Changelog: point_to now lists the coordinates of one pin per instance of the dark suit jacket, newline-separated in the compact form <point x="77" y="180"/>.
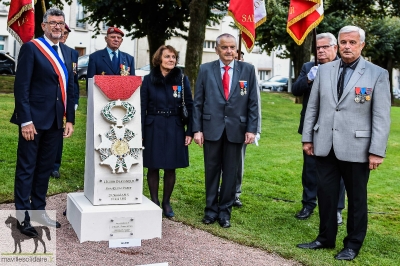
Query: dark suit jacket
<point x="100" y="62"/>
<point x="212" y="113"/>
<point x="37" y="91"/>
<point x="74" y="59"/>
<point x="75" y="56"/>
<point x="302" y="88"/>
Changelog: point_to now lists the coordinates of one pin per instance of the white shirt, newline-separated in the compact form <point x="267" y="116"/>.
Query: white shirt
<point x="58" y="45"/>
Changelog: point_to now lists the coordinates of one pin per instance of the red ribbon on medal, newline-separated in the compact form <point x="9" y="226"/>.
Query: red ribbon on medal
<point x="358" y="90"/>
<point x="117" y="87"/>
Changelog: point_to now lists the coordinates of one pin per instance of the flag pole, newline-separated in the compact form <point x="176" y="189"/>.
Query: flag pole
<point x="240" y="46"/>
<point x="315" y="47"/>
<point x="43" y="6"/>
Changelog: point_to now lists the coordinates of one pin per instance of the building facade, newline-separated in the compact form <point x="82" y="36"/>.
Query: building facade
<point x="81" y="39"/>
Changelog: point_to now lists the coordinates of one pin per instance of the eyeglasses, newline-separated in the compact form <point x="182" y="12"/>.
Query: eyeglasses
<point x="53" y="23"/>
<point x="324" y="47"/>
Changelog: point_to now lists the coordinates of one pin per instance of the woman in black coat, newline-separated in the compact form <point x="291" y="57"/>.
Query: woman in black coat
<point x="165" y="140"/>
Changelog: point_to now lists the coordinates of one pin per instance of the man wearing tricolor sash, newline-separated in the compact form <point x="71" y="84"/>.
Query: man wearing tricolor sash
<point x="43" y="91"/>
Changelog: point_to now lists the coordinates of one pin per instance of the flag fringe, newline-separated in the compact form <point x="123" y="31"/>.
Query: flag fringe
<point x="15" y="35"/>
<point x="246" y="31"/>
<point x="261" y="21"/>
<point x="312" y="26"/>
<point x="303" y="15"/>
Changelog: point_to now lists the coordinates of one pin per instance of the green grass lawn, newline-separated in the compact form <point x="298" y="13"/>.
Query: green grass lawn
<point x="271" y="187"/>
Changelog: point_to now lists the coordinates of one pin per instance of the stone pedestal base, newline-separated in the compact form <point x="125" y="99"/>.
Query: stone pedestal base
<point x="105" y="222"/>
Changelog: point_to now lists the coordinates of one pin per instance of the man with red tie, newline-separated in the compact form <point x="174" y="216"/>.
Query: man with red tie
<point x="225" y="115"/>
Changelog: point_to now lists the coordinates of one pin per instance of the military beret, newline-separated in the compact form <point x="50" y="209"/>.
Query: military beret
<point x="115" y="30"/>
<point x="67" y="28"/>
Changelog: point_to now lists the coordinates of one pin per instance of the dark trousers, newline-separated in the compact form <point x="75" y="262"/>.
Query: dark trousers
<point x="35" y="160"/>
<point x="310" y="184"/>
<point x="355" y="176"/>
<point x="57" y="162"/>
<point x="240" y="171"/>
<point x="220" y="155"/>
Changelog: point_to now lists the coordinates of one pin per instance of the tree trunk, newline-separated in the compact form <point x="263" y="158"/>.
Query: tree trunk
<point x="197" y="28"/>
<point x="39" y="17"/>
<point x="388" y="65"/>
<point x="389" y="68"/>
<point x="301" y="55"/>
<point x="155" y="31"/>
<point x="154" y="43"/>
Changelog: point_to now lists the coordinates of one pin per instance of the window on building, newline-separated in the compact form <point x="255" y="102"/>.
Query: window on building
<point x="209" y="44"/>
<point x="105" y="27"/>
<point x="213" y="24"/>
<point x="2" y="43"/>
<point x="3" y="9"/>
<point x="80" y="14"/>
<point x="263" y="74"/>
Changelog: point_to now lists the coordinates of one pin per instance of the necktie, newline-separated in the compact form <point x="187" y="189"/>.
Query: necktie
<point x="114" y="62"/>
<point x="55" y="47"/>
<point x="225" y="81"/>
<point x="340" y="86"/>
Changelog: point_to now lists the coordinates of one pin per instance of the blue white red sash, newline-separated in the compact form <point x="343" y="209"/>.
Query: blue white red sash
<point x="57" y="63"/>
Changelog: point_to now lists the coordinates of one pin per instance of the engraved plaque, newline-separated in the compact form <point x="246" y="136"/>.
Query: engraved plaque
<point x="121" y="227"/>
<point x="120" y="189"/>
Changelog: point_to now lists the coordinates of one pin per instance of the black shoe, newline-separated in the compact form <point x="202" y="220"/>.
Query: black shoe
<point x="303" y="214"/>
<point x="346" y="254"/>
<point x="313" y="245"/>
<point x="208" y="220"/>
<point x="44" y="219"/>
<point x="27" y="229"/>
<point x="167" y="210"/>
<point x="224" y="223"/>
<point x="55" y="174"/>
<point x="156" y="202"/>
<point x="237" y="202"/>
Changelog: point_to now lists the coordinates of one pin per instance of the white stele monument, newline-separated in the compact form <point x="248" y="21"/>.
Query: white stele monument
<point x="112" y="206"/>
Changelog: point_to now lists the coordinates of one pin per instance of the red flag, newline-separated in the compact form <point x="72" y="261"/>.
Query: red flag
<point x="260" y="13"/>
<point x="304" y="15"/>
<point x="21" y="20"/>
<point x="248" y="15"/>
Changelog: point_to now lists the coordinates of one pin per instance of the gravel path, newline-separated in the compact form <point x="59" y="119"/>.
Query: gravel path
<point x="180" y="245"/>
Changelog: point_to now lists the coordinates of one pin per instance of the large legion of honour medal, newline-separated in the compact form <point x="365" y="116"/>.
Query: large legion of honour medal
<point x="116" y="147"/>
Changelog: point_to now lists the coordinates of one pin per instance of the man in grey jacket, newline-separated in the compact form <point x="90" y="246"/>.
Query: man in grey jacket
<point x="346" y="127"/>
<point x="326" y="52"/>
